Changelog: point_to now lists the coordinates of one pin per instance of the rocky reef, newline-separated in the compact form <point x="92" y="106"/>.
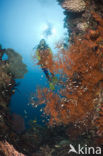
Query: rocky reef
<point x="7" y="89"/>
<point x="9" y="70"/>
<point x="79" y="15"/>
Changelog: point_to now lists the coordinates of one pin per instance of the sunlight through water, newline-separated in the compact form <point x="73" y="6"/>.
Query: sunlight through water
<point x="23" y="24"/>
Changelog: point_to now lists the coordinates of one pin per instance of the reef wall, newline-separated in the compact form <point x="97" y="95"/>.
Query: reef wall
<point x="78" y="15"/>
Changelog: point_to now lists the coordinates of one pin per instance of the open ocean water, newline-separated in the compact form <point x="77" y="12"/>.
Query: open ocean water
<point x="23" y="25"/>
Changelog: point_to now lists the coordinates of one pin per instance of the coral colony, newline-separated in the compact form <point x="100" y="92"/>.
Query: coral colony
<point x="79" y="102"/>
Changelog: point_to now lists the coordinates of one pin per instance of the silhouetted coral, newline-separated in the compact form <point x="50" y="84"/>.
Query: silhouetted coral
<point x="16" y="65"/>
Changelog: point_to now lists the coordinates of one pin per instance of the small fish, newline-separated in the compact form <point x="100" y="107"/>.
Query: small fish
<point x="34" y="121"/>
<point x="43" y="120"/>
<point x="36" y="106"/>
<point x="41" y="110"/>
<point x="43" y="101"/>
<point x="32" y="97"/>
<point x="25" y="111"/>
<point x="62" y="105"/>
<point x="10" y="84"/>
<point x="13" y="90"/>
<point x="33" y="103"/>
<point x="57" y="146"/>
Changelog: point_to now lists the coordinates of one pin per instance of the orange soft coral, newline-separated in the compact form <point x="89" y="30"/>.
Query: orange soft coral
<point x="83" y="68"/>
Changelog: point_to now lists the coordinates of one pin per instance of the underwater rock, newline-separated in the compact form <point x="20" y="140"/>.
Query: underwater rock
<point x="78" y="22"/>
<point x="76" y="6"/>
<point x="5" y="89"/>
<point x="4" y="77"/>
<point x="64" y="142"/>
<point x="18" y="124"/>
<point x="3" y="103"/>
<point x="3" y="127"/>
<point x="5" y="95"/>
<point x="47" y="151"/>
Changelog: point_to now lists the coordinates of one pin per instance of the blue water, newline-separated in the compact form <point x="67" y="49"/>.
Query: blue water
<point x="23" y="23"/>
<point x="21" y="100"/>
